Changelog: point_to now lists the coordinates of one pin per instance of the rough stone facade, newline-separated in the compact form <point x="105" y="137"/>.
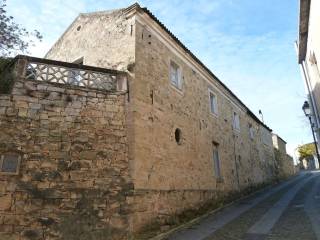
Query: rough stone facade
<point x="73" y="181"/>
<point x="284" y="162"/>
<point x="177" y="177"/>
<point x="170" y="178"/>
<point x="166" y="178"/>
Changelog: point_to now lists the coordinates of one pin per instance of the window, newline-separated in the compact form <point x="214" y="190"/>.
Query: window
<point x="175" y="75"/>
<point x="216" y="161"/>
<point x="236" y="121"/>
<point x="10" y="163"/>
<point x="251" y="131"/>
<point x="213" y="103"/>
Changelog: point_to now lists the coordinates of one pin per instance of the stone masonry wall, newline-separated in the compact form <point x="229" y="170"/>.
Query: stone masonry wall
<point x="73" y="181"/>
<point x="168" y="178"/>
<point x="102" y="39"/>
<point x="285" y="164"/>
<point x="171" y="178"/>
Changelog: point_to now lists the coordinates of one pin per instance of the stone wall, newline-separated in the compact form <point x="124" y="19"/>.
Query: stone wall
<point x="284" y="162"/>
<point x="102" y="39"/>
<point x="73" y="181"/>
<point x="171" y="177"/>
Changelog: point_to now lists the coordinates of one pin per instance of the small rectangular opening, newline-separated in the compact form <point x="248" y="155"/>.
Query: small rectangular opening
<point x="216" y="161"/>
<point x="236" y="121"/>
<point x="175" y="75"/>
<point x="213" y="103"/>
<point x="10" y="163"/>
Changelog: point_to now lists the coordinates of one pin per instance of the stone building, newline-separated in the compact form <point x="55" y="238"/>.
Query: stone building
<point x="107" y="153"/>
<point x="284" y="162"/>
<point x="308" y="48"/>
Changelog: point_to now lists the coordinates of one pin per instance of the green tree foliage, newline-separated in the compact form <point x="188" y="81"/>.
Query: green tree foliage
<point x="6" y="75"/>
<point x="13" y="37"/>
<point x="306" y="151"/>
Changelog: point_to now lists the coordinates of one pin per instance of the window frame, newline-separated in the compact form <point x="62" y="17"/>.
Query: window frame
<point x="214" y="113"/>
<point x="18" y="164"/>
<point x="251" y="131"/>
<point x="216" y="161"/>
<point x="179" y="84"/>
<point x="234" y="125"/>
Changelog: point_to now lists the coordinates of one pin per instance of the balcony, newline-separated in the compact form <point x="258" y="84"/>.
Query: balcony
<point x="62" y="73"/>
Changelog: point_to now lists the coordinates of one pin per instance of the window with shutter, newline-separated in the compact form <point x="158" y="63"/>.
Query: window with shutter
<point x="213" y="103"/>
<point x="175" y="75"/>
<point x="216" y="162"/>
<point x="236" y="121"/>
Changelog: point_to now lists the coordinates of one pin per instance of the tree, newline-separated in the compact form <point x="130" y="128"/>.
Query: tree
<point x="13" y="37"/>
<point x="306" y="151"/>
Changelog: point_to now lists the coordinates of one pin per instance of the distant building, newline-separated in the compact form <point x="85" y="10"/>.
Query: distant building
<point x="309" y="54"/>
<point x="309" y="162"/>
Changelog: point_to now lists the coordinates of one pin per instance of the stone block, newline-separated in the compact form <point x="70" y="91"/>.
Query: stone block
<point x="2" y="110"/>
<point x="21" y="104"/>
<point x="5" y="97"/>
<point x="23" y="112"/>
<point x="35" y="106"/>
<point x="88" y="155"/>
<point x="10" y="112"/>
<point x="30" y="85"/>
<point x="5" y="202"/>
<point x="42" y="87"/>
<point x="5" y="103"/>
<point x="55" y="89"/>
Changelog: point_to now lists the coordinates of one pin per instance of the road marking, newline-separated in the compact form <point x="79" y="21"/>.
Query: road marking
<point x="216" y="221"/>
<point x="312" y="208"/>
<point x="267" y="221"/>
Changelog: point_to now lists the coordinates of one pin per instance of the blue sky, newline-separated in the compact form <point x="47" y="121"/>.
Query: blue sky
<point x="248" y="44"/>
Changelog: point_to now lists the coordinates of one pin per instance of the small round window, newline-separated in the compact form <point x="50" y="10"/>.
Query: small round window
<point x="78" y="28"/>
<point x="177" y="136"/>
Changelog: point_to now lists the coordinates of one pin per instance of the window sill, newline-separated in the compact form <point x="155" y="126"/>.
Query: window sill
<point x="214" y="114"/>
<point x="236" y="131"/>
<point x="219" y="180"/>
<point x="178" y="90"/>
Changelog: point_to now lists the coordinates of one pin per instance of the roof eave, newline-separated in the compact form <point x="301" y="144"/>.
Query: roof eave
<point x="303" y="28"/>
<point x="137" y="7"/>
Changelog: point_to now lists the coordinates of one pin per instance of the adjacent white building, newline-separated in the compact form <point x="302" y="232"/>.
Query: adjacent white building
<point x="308" y="47"/>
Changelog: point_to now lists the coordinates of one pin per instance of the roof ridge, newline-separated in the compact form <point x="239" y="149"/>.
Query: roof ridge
<point x="135" y="5"/>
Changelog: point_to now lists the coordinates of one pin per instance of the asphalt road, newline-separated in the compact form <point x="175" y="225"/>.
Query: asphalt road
<point x="287" y="211"/>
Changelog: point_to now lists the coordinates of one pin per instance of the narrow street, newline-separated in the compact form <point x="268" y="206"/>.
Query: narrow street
<point x="290" y="210"/>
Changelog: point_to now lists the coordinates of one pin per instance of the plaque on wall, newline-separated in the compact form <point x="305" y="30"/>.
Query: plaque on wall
<point x="10" y="163"/>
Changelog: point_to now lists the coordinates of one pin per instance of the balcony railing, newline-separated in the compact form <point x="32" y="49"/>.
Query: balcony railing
<point x="38" y="69"/>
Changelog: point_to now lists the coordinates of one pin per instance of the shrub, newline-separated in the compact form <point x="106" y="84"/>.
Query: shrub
<point x="6" y="75"/>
